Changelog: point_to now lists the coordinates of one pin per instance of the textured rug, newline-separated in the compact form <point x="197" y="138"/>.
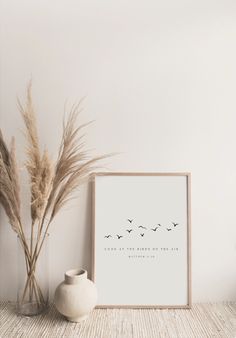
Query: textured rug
<point x="211" y="320"/>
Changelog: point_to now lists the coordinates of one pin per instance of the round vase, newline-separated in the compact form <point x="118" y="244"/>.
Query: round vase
<point x="76" y="297"/>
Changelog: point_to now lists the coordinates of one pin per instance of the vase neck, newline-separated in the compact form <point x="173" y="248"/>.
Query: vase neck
<point x="75" y="276"/>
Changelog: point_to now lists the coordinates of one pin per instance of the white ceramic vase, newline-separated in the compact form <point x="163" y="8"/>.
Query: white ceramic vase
<point x="76" y="297"/>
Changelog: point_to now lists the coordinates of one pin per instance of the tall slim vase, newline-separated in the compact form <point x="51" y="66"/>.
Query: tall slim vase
<point x="33" y="278"/>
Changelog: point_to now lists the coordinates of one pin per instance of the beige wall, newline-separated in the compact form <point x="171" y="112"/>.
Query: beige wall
<point x="160" y="81"/>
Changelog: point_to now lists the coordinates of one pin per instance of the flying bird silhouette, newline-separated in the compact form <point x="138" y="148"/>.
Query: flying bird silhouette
<point x="129" y="230"/>
<point x="159" y="224"/>
<point x="174" y="224"/>
<point x="130" y="220"/>
<point x="142" y="227"/>
<point x="142" y="235"/>
<point x="155" y="229"/>
<point x="107" y="236"/>
<point x="119" y="236"/>
<point x="168" y="229"/>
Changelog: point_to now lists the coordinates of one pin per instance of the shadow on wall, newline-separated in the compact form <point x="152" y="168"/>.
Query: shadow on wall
<point x="8" y="260"/>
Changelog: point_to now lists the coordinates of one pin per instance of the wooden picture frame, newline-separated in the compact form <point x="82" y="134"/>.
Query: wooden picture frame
<point x="142" y="239"/>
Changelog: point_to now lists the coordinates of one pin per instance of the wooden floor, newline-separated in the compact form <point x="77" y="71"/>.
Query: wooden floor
<point x="203" y="320"/>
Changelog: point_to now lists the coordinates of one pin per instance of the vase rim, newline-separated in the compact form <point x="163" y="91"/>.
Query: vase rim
<point x="72" y="276"/>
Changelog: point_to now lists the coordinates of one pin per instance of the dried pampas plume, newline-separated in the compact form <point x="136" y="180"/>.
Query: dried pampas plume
<point x="39" y="167"/>
<point x="9" y="184"/>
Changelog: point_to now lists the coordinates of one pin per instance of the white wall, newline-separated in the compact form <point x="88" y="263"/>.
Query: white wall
<point x="160" y="81"/>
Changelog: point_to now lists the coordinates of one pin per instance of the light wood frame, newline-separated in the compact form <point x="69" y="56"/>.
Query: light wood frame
<point x="189" y="278"/>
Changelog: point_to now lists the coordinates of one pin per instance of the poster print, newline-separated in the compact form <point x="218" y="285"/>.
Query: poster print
<point x="141" y="251"/>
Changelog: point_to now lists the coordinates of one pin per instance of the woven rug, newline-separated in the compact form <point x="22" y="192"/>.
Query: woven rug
<point x="202" y="321"/>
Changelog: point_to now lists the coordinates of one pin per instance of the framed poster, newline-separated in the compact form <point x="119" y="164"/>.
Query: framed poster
<point x="141" y="239"/>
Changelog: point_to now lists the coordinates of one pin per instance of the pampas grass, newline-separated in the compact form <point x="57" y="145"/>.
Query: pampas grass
<point x="52" y="184"/>
<point x="9" y="185"/>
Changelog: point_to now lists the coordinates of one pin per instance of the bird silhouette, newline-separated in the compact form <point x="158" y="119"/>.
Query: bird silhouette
<point x="119" y="236"/>
<point x="130" y="220"/>
<point x="142" y="235"/>
<point x="142" y="227"/>
<point x="107" y="236"/>
<point x="159" y="225"/>
<point x="155" y="229"/>
<point x="174" y="224"/>
<point x="129" y="230"/>
<point x="168" y="229"/>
